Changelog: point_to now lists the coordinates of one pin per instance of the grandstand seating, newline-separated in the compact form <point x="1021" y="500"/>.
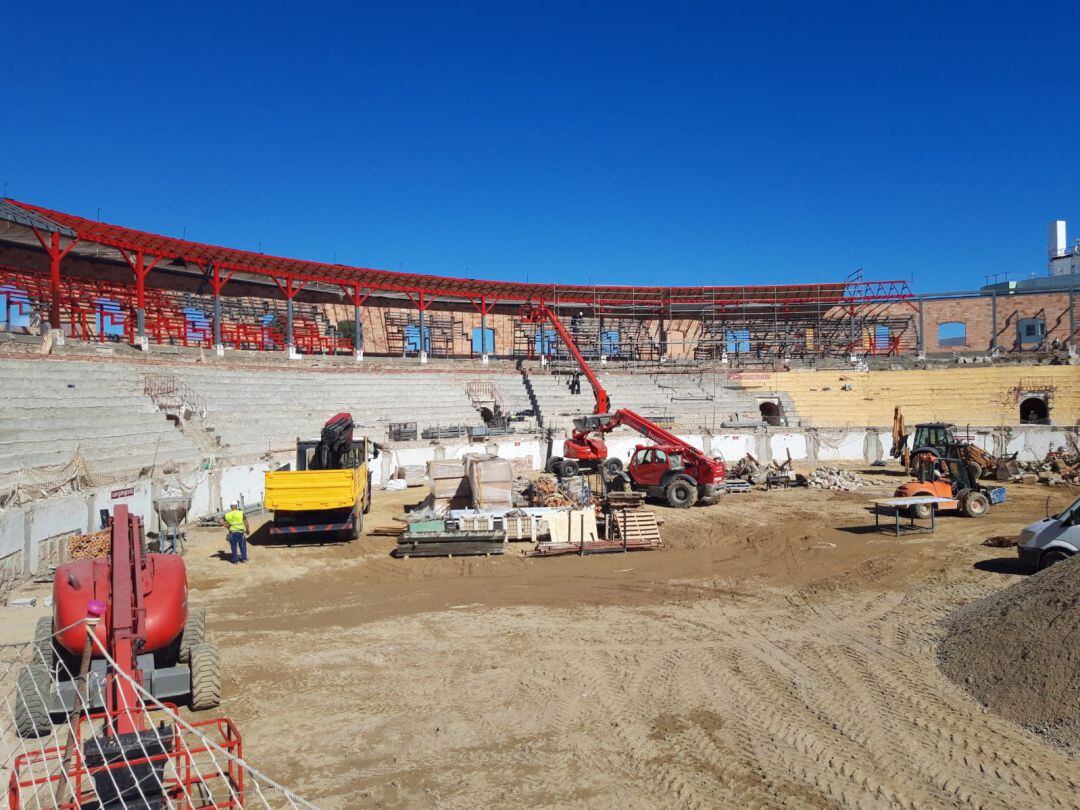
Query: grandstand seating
<point x="256" y="411"/>
<point x="966" y="395"/>
<point x="688" y="402"/>
<point x="48" y="410"/>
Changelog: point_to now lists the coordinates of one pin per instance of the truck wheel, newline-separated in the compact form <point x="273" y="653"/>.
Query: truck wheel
<point x="618" y="483"/>
<point x="553" y="465"/>
<point x="44" y="651"/>
<point x="976" y="505"/>
<point x="613" y="466"/>
<point x="1054" y="556"/>
<point x="976" y="470"/>
<point x="681" y="493"/>
<point x="205" y="677"/>
<point x="367" y="495"/>
<point x="358" y="529"/>
<point x="194" y="633"/>
<point x="33" y="687"/>
<point x="569" y="468"/>
<point x="921" y="511"/>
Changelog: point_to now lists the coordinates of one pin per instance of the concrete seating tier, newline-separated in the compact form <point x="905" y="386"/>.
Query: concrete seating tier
<point x="49" y="410"/>
<point x="256" y="411"/>
<point x="693" y="405"/>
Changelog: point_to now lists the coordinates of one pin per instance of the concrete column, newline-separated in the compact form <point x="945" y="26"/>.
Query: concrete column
<point x="218" y="346"/>
<point x="358" y="332"/>
<point x="922" y="332"/>
<point x="290" y="349"/>
<point x="993" y="321"/>
<point x="483" y="337"/>
<point x="423" y="343"/>
<point x="1071" y="343"/>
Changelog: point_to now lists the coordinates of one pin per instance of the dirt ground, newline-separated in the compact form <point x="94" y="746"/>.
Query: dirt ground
<point x="776" y="653"/>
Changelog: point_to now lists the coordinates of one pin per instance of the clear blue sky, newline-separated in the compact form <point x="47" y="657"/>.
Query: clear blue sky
<point x="623" y="143"/>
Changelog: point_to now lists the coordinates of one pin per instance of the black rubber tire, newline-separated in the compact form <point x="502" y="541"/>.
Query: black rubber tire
<point x="708" y="495"/>
<point x="33" y="688"/>
<point x="205" y="677"/>
<point x="920" y="511"/>
<point x="612" y="466"/>
<point x="358" y="529"/>
<point x="44" y="649"/>
<point x="1054" y="555"/>
<point x="681" y="493"/>
<point x="976" y="470"/>
<point x="194" y="633"/>
<point x="553" y="464"/>
<point x="569" y="468"/>
<point x="367" y="495"/>
<point x="976" y="505"/>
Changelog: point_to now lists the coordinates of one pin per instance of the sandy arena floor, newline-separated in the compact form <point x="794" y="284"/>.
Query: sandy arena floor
<point x="764" y="658"/>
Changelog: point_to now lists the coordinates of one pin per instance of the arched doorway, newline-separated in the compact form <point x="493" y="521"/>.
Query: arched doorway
<point x="770" y="413"/>
<point x="1034" y="411"/>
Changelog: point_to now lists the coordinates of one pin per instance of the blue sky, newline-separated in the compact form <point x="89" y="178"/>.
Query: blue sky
<point x="586" y="142"/>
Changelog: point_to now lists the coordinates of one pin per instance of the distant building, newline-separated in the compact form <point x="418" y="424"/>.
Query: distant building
<point x="1064" y="258"/>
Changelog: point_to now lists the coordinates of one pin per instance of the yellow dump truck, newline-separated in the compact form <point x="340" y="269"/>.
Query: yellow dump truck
<point x="328" y="491"/>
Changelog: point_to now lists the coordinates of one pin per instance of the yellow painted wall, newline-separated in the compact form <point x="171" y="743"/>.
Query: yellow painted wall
<point x="979" y="396"/>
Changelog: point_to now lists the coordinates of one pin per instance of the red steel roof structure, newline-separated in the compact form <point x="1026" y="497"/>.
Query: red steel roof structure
<point x="59" y="233"/>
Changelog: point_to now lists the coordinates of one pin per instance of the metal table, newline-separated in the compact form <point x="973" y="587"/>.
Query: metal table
<point x="896" y="504"/>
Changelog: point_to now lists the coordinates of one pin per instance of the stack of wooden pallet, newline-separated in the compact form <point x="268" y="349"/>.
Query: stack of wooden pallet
<point x="635" y="528"/>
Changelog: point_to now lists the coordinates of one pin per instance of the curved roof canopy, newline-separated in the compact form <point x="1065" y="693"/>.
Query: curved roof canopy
<point x="124" y="241"/>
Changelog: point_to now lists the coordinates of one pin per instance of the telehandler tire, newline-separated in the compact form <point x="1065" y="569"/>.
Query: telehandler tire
<point x="681" y="492"/>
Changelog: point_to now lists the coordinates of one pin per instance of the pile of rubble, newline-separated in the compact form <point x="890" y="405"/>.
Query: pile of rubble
<point x="836" y="479"/>
<point x="1060" y="467"/>
<point x="752" y="471"/>
<point x="547" y="491"/>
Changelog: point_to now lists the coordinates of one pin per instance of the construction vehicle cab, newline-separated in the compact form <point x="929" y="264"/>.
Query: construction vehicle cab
<point x="663" y="471"/>
<point x="952" y="478"/>
<point x="329" y="491"/>
<point x="1052" y="540"/>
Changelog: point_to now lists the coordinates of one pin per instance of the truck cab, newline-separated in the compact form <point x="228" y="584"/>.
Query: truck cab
<point x="1051" y="540"/>
<point x="660" y="471"/>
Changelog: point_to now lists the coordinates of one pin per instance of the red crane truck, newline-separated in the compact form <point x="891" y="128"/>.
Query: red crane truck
<point x="672" y="469"/>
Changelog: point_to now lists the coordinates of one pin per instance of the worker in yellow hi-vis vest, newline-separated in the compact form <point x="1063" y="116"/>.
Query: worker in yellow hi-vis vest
<point x="237" y="523"/>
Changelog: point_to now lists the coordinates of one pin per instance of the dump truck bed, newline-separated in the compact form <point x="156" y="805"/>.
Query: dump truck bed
<point x="310" y="490"/>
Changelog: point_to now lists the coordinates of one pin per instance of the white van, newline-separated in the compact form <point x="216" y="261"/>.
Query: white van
<point x="1052" y="540"/>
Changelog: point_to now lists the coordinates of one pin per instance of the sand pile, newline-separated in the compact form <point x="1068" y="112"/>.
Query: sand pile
<point x="1018" y="652"/>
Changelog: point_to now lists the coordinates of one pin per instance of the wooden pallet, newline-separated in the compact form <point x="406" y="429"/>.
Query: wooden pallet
<point x="635" y="527"/>
<point x="625" y="500"/>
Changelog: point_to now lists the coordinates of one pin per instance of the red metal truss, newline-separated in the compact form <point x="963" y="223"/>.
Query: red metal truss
<point x="422" y="288"/>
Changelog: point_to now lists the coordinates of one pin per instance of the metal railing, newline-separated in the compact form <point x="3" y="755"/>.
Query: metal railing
<point x="170" y="393"/>
<point x="481" y="391"/>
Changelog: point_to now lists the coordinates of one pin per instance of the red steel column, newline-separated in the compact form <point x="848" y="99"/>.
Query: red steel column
<point x="52" y="248"/>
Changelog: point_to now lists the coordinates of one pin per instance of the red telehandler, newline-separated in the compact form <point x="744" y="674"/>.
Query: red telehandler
<point x="671" y="469"/>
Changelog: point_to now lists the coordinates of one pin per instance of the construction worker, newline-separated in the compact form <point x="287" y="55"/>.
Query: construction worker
<point x="237" y="523"/>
